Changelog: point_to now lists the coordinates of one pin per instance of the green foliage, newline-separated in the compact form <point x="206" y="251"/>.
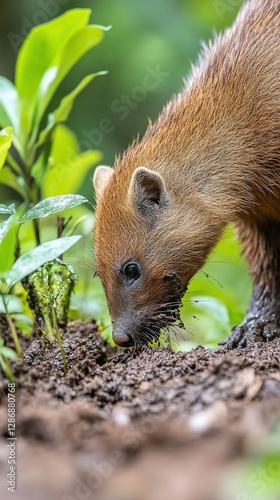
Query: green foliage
<point x="45" y="58"/>
<point x="45" y="164"/>
<point x="66" y="167"/>
<point x="30" y="261"/>
<point x="5" y="144"/>
<point x="51" y="286"/>
<point x="52" y="205"/>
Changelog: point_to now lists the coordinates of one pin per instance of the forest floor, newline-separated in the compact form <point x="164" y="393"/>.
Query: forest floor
<point x="152" y="425"/>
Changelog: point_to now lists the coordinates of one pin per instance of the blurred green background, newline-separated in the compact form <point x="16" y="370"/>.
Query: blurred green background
<point x="164" y="34"/>
<point x="161" y="39"/>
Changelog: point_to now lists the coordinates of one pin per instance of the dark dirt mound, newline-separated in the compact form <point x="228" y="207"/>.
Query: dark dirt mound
<point x="146" y="426"/>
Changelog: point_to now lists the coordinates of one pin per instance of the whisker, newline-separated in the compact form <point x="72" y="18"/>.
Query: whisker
<point x="81" y="263"/>
<point x="209" y="277"/>
<point x="106" y="327"/>
<point x="197" y="301"/>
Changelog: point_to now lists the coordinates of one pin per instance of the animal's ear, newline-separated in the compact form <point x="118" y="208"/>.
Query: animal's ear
<point x="101" y="178"/>
<point x="147" y="192"/>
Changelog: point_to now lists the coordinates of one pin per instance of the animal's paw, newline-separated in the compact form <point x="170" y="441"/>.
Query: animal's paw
<point x="251" y="331"/>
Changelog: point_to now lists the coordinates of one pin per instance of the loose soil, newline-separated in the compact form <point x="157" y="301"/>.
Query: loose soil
<point x="148" y="425"/>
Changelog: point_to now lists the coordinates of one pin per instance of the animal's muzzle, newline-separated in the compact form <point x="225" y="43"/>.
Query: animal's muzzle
<point x="123" y="339"/>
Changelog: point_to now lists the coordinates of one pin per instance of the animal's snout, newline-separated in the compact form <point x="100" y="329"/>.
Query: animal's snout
<point x="123" y="339"/>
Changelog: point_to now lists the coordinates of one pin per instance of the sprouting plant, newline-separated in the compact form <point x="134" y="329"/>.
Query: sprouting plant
<point x="45" y="159"/>
<point x="27" y="264"/>
<point x="51" y="286"/>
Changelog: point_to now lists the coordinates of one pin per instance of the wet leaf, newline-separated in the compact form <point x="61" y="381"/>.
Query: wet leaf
<point x="53" y="205"/>
<point x="6" y="225"/>
<point x="7" y="209"/>
<point x="35" y="258"/>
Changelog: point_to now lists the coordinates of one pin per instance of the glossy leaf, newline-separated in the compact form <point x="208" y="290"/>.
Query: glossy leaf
<point x="53" y="205"/>
<point x="5" y="209"/>
<point x="71" y="52"/>
<point x="6" y="225"/>
<point x="35" y="258"/>
<point x="8" y="103"/>
<point x="9" y="109"/>
<point x="5" y="144"/>
<point x="62" y="112"/>
<point x="67" y="167"/>
<point x="7" y="245"/>
<point x="46" y="56"/>
<point x="38" y="58"/>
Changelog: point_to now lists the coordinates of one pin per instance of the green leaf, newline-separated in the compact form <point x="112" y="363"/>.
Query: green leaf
<point x="8" y="178"/>
<point x="40" y="166"/>
<point x="7" y="245"/>
<point x="6" y="225"/>
<point x="53" y="205"/>
<point x="80" y="43"/>
<point x="62" y="112"/>
<point x="14" y="304"/>
<point x="35" y="258"/>
<point x="67" y="167"/>
<point x="46" y="56"/>
<point x="9" y="109"/>
<point x="36" y="60"/>
<point x="4" y="209"/>
<point x="8" y="104"/>
<point x="7" y="352"/>
<point x="5" y="144"/>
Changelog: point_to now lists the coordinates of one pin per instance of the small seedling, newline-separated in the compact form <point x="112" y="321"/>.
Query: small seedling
<point x="59" y="339"/>
<point x="51" y="287"/>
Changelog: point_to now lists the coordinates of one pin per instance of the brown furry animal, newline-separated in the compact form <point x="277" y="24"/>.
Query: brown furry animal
<point x="213" y="156"/>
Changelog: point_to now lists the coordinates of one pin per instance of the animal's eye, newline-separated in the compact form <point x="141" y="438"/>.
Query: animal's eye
<point x="132" y="271"/>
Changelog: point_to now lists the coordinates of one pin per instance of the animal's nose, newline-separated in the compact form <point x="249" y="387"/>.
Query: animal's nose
<point x="123" y="339"/>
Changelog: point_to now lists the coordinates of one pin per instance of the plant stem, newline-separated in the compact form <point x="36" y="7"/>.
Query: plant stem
<point x="17" y="244"/>
<point x="36" y="231"/>
<point x="13" y="330"/>
<point x="74" y="227"/>
<point x="14" y="164"/>
<point x="58" y="336"/>
<point x="5" y="365"/>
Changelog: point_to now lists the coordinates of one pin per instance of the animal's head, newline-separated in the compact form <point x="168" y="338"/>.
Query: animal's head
<point x="148" y="245"/>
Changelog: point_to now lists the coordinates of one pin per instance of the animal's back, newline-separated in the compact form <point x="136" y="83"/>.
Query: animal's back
<point x="213" y="156"/>
<point x="239" y="75"/>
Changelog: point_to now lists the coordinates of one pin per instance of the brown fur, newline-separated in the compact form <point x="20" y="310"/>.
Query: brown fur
<point x="215" y="155"/>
